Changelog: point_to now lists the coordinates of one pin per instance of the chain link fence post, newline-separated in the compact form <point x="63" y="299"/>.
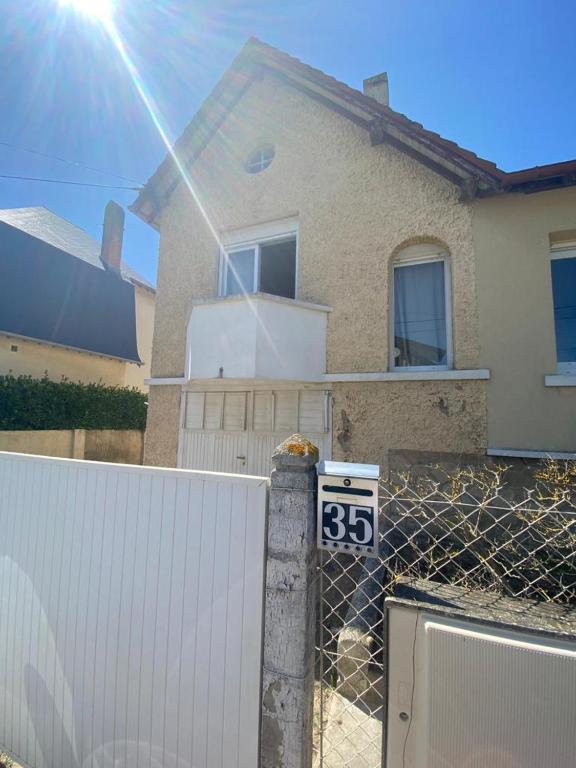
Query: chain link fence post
<point x="290" y="608"/>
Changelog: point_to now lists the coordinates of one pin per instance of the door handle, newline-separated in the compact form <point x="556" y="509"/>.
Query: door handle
<point x="241" y="457"/>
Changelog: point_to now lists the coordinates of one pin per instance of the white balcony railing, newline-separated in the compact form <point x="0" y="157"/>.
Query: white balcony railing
<point x="256" y="337"/>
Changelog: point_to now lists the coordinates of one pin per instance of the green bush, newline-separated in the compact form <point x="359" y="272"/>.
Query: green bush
<point x="27" y="403"/>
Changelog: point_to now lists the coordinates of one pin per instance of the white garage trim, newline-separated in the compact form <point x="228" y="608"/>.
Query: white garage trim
<point x="165" y="381"/>
<point x="230" y="385"/>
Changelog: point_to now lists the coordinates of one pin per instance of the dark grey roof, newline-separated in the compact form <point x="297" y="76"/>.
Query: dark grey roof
<point x="49" y="294"/>
<point x="43" y="224"/>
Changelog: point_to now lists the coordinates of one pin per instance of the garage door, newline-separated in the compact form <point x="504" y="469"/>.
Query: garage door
<point x="238" y="431"/>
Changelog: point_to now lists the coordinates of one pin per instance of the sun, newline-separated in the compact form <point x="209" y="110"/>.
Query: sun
<point x="99" y="10"/>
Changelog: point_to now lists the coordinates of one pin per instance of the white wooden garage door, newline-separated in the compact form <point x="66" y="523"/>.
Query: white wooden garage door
<point x="238" y="431"/>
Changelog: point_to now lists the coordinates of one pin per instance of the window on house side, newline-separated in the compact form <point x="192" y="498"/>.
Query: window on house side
<point x="269" y="267"/>
<point x="240" y="272"/>
<point x="564" y="294"/>
<point x="260" y="159"/>
<point x="278" y="268"/>
<point x="420" y="300"/>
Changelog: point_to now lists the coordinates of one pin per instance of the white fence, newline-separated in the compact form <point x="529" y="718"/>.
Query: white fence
<point x="130" y="615"/>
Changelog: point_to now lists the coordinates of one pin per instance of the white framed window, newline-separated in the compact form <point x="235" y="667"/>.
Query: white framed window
<point x="421" y="310"/>
<point x="260" y="159"/>
<point x="240" y="270"/>
<point x="563" y="268"/>
<point x="266" y="265"/>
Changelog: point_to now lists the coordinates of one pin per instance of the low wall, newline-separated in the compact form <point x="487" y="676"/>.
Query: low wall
<point x="121" y="446"/>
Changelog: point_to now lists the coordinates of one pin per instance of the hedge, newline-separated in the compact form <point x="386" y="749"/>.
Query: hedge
<point x="27" y="403"/>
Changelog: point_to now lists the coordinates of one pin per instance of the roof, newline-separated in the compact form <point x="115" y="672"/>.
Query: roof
<point x="52" y="291"/>
<point x="43" y="224"/>
<point x="475" y="175"/>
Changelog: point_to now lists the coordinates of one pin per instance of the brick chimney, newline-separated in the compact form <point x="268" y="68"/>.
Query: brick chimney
<point x="377" y="88"/>
<point x="111" y="251"/>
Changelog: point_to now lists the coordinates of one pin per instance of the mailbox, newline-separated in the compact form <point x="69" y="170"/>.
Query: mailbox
<point x="348" y="507"/>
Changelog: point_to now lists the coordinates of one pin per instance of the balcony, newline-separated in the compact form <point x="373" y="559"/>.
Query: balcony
<point x="256" y="337"/>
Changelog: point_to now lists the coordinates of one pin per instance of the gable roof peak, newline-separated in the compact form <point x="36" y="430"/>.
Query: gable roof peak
<point x="473" y="174"/>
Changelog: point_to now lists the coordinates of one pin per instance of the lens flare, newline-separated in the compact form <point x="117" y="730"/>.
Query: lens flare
<point x="99" y="10"/>
<point x="103" y="12"/>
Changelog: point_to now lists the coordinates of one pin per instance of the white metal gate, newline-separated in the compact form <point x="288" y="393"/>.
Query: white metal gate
<point x="131" y="603"/>
<point x="237" y="431"/>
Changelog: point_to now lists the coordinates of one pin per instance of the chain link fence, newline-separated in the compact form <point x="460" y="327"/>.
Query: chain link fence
<point x="466" y="528"/>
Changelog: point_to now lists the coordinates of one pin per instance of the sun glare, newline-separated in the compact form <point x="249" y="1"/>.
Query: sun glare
<point x="100" y="10"/>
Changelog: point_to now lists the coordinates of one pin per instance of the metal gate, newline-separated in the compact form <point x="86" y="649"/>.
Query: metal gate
<point x="349" y="697"/>
<point x="464" y="528"/>
<point x="131" y="602"/>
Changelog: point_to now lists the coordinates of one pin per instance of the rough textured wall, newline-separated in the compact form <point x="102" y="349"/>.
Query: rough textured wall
<point x="161" y="440"/>
<point x="36" y="360"/>
<point x="187" y="270"/>
<point x="356" y="204"/>
<point x="517" y="336"/>
<point x="370" y="419"/>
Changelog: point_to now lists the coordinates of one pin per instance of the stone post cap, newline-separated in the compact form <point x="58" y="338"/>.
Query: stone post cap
<point x="295" y="453"/>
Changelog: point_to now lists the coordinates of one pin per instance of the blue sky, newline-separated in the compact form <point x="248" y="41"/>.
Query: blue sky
<point x="497" y="76"/>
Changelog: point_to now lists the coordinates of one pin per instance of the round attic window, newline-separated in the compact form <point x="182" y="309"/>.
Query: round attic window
<point x="260" y="159"/>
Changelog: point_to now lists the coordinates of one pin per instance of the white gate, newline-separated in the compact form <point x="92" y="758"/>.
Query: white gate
<point x="131" y="603"/>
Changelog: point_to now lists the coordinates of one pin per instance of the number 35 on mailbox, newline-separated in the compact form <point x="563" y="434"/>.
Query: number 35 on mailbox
<point x="348" y="507"/>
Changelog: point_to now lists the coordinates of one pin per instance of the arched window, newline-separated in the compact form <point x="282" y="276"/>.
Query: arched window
<point x="421" y="323"/>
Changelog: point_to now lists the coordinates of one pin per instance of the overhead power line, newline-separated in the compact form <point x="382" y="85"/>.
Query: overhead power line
<point x="72" y="183"/>
<point x="65" y="160"/>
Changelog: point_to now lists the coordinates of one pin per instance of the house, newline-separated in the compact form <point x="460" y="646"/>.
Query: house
<point x="329" y="266"/>
<point x="70" y="307"/>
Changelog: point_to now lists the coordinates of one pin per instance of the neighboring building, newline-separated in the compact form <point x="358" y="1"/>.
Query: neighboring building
<point x="329" y="266"/>
<point x="70" y="307"/>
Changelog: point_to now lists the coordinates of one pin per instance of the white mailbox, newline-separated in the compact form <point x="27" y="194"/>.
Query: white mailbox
<point x="348" y="507"/>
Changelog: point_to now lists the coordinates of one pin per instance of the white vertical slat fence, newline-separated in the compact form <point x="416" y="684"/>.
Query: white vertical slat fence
<point x="131" y="604"/>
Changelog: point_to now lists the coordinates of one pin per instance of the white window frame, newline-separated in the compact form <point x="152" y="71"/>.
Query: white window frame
<point x="255" y="242"/>
<point x="564" y="251"/>
<point x="224" y="266"/>
<point x="405" y="261"/>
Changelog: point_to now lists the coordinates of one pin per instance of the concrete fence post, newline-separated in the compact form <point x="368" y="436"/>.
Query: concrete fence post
<point x="78" y="443"/>
<point x="290" y="608"/>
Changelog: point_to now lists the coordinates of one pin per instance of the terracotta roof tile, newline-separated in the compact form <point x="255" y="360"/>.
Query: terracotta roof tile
<point x="353" y="95"/>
